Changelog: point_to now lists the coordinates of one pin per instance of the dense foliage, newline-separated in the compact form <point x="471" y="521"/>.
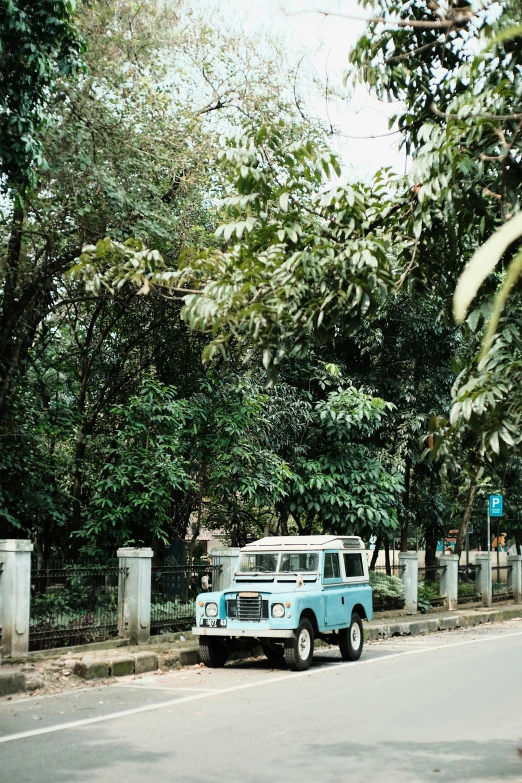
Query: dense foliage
<point x="175" y="234"/>
<point x="38" y="42"/>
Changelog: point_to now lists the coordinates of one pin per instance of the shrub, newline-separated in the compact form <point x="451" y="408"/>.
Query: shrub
<point x="384" y="586"/>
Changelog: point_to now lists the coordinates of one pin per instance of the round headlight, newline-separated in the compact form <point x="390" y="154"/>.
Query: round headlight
<point x="278" y="610"/>
<point x="211" y="610"/>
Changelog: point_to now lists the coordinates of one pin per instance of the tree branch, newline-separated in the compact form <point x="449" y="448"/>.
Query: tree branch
<point x="457" y="21"/>
<point x="493" y="117"/>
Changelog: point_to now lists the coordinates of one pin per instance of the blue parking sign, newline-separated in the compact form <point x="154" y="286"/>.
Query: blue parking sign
<point x="496" y="506"/>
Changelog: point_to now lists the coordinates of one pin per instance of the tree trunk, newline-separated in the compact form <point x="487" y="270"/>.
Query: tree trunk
<point x="404" y="537"/>
<point x="431" y="533"/>
<point x="10" y="337"/>
<point x="84" y="431"/>
<point x="375" y="553"/>
<point x="195" y="534"/>
<point x="461" y="535"/>
<point x="406" y="503"/>
<point x="77" y="484"/>
<point x="282" y="522"/>
<point x="387" y="556"/>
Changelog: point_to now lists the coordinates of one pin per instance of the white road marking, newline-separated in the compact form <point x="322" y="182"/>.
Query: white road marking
<point x="260" y="683"/>
<point x="160" y="688"/>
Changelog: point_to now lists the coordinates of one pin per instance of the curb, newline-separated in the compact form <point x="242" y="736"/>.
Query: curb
<point x="443" y="623"/>
<point x="11" y="682"/>
<point x="114" y="665"/>
<point x="139" y="663"/>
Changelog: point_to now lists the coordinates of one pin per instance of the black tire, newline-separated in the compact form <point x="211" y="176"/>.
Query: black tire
<point x="351" y="639"/>
<point x="213" y="652"/>
<point x="299" y="651"/>
<point x="275" y="653"/>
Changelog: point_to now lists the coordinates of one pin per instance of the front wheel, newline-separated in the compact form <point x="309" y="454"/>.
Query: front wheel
<point x="351" y="639"/>
<point x="213" y="652"/>
<point x="299" y="650"/>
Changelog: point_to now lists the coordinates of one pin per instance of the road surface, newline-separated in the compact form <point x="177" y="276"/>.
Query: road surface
<point x="444" y="707"/>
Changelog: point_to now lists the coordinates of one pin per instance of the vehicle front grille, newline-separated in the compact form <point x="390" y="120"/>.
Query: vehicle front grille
<point x="247" y="609"/>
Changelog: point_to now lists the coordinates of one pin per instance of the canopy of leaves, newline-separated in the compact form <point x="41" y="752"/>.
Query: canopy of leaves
<point x="300" y="254"/>
<point x="38" y="42"/>
<point x="460" y="89"/>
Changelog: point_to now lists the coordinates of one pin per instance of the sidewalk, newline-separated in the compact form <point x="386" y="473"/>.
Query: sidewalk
<point x="50" y="672"/>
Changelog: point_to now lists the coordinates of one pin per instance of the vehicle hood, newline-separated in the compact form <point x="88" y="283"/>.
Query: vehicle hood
<point x="275" y="586"/>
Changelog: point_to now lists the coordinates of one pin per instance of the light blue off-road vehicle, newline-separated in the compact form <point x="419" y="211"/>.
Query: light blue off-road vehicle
<point x="287" y="592"/>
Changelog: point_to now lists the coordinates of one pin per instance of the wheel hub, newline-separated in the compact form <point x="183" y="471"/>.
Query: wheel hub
<point x="304" y="644"/>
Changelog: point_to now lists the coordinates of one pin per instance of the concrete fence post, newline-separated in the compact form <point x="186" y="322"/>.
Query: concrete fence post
<point x="514" y="580"/>
<point x="483" y="578"/>
<point x="15" y="595"/>
<point x="227" y="559"/>
<point x="134" y="594"/>
<point x="449" y="579"/>
<point x="409" y="573"/>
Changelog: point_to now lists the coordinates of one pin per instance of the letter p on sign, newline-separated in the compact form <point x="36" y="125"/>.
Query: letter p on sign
<point x="496" y="506"/>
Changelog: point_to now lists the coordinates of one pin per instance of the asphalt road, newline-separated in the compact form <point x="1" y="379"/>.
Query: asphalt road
<point x="445" y="707"/>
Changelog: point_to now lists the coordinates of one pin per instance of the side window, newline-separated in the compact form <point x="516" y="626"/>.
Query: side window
<point x="353" y="565"/>
<point x="331" y="565"/>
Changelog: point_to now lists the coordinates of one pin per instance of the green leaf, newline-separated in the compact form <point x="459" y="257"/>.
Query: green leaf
<point x="482" y="264"/>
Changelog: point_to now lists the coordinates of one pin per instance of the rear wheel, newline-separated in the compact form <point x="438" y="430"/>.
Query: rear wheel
<point x="351" y="639"/>
<point x="299" y="650"/>
<point x="274" y="653"/>
<point x="213" y="652"/>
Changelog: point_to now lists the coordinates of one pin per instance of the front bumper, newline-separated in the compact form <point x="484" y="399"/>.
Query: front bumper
<point x="239" y="633"/>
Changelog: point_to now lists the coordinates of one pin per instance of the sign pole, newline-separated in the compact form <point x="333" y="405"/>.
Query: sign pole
<point x="489" y="533"/>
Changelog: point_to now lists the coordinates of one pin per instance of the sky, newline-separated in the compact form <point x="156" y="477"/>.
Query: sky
<point x="328" y="40"/>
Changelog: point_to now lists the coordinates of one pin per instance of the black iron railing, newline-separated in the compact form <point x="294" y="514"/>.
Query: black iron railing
<point x="429" y="586"/>
<point x="174" y="591"/>
<point x="73" y="603"/>
<point x="501" y="591"/>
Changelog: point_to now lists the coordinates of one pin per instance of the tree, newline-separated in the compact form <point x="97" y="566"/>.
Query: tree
<point x="461" y="125"/>
<point x="38" y="45"/>
<point x="301" y="256"/>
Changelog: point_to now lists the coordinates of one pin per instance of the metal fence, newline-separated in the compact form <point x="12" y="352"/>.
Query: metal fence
<point x="429" y="586"/>
<point x="173" y="594"/>
<point x="499" y="586"/>
<point x="73" y="603"/>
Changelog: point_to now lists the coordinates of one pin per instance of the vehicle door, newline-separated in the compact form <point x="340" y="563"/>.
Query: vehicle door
<point x="334" y="591"/>
<point x="356" y="580"/>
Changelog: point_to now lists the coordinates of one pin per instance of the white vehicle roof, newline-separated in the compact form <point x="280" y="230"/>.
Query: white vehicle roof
<point x="304" y="543"/>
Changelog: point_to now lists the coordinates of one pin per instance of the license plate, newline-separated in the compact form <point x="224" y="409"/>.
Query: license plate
<point x="211" y="622"/>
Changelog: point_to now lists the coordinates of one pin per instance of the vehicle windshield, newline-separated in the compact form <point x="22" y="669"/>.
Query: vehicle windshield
<point x="279" y="562"/>
<point x="258" y="563"/>
<point x="299" y="562"/>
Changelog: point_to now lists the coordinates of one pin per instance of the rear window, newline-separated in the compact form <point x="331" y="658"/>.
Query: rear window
<point x="353" y="564"/>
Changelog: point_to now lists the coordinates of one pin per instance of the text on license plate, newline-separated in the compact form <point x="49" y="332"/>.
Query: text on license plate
<point x="209" y="622"/>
